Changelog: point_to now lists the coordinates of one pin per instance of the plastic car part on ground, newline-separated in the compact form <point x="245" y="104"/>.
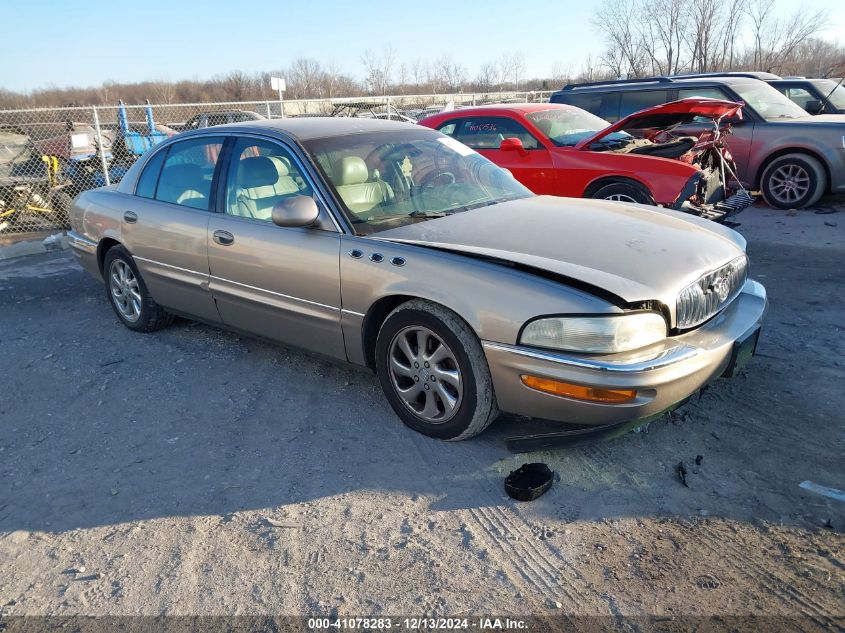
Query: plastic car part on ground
<point x="529" y="481"/>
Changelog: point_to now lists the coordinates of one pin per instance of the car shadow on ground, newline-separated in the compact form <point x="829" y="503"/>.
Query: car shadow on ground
<point x="100" y="425"/>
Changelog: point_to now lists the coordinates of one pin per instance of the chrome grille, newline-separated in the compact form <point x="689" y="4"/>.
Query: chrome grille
<point x="708" y="295"/>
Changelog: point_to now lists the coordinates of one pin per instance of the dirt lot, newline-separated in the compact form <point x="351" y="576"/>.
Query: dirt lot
<point x="155" y="461"/>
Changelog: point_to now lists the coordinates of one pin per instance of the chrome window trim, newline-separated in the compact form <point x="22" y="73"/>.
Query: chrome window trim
<point x="664" y="358"/>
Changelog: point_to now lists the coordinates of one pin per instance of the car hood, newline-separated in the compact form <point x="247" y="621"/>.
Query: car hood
<point x="634" y="252"/>
<point x="668" y="115"/>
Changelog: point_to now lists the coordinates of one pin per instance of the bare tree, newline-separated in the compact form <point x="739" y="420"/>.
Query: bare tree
<point x="163" y="92"/>
<point x="512" y="68"/>
<point x="664" y="26"/>
<point x="619" y="22"/>
<point x="378" y="69"/>
<point x="448" y="74"/>
<point x="488" y="77"/>
<point x="305" y="78"/>
<point x="775" y="38"/>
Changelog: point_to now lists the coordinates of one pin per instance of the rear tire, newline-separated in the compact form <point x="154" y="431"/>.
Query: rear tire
<point x="450" y="399"/>
<point x="793" y="181"/>
<point x="128" y="295"/>
<point x="623" y="192"/>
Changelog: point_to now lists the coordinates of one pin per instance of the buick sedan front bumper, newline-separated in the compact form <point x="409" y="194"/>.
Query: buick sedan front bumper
<point x="662" y="375"/>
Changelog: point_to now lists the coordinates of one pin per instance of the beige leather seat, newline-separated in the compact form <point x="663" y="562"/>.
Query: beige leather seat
<point x="351" y="178"/>
<point x="184" y="184"/>
<point x="262" y="182"/>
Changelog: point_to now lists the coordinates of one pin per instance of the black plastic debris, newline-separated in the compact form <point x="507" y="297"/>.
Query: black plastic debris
<point x="699" y="459"/>
<point x="682" y="473"/>
<point x="529" y="481"/>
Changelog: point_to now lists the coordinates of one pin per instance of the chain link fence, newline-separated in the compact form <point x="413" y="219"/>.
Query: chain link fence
<point x="50" y="155"/>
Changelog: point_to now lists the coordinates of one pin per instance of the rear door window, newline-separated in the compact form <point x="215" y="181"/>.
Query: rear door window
<point x="635" y="101"/>
<point x="188" y="172"/>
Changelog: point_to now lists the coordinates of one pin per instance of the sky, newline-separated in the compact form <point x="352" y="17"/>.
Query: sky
<point x="86" y="42"/>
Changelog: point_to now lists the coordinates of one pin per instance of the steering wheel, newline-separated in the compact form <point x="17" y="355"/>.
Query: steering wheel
<point x="440" y="178"/>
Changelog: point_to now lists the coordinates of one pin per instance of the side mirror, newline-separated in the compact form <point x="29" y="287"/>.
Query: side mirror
<point x="296" y="211"/>
<point x="814" y="106"/>
<point x="513" y="145"/>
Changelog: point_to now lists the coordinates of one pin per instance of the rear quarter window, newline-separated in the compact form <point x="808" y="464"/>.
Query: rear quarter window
<point x="707" y="93"/>
<point x="146" y="187"/>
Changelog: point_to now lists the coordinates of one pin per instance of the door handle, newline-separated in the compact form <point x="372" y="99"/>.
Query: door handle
<point x="224" y="238"/>
<point x="130" y="217"/>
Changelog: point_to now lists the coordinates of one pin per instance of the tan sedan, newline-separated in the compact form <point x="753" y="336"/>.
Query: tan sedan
<point x="393" y="246"/>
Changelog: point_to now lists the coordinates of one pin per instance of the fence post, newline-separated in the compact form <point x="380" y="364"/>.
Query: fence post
<point x="100" y="145"/>
<point x="269" y="116"/>
<point x="389" y="115"/>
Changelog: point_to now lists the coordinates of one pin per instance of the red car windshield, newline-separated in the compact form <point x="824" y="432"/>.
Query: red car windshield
<point x="566" y="127"/>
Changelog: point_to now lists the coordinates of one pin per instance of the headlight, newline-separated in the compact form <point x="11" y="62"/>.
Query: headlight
<point x="604" y="334"/>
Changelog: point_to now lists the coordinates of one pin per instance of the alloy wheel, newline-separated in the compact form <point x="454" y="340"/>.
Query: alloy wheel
<point x="620" y="197"/>
<point x="789" y="183"/>
<point x="125" y="293"/>
<point x="425" y="374"/>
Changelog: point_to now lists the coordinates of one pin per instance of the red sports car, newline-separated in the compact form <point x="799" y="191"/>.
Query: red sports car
<point x="646" y="157"/>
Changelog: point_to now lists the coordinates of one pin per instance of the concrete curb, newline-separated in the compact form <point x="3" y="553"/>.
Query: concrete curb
<point x="55" y="242"/>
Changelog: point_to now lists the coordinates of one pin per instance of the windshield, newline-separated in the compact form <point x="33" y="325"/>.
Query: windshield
<point x="837" y="97"/>
<point x="389" y="179"/>
<point x="767" y="101"/>
<point x="566" y="127"/>
<point x="14" y="148"/>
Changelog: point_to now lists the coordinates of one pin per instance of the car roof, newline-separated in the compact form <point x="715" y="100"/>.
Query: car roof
<point x="495" y="108"/>
<point x="799" y="80"/>
<point x="525" y="108"/>
<point x="307" y="128"/>
<point x="658" y="82"/>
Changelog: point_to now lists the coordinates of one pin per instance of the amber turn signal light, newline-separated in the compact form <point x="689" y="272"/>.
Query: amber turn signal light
<point x="579" y="392"/>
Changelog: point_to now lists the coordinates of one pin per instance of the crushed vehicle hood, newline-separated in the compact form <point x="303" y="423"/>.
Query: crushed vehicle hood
<point x="668" y="115"/>
<point x="634" y="252"/>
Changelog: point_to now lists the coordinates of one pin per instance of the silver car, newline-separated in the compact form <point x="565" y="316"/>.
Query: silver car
<point x="398" y="248"/>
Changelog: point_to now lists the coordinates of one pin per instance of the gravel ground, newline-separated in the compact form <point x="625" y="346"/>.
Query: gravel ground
<point x="193" y="471"/>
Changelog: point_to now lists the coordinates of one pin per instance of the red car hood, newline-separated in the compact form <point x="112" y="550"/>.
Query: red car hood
<point x="668" y="115"/>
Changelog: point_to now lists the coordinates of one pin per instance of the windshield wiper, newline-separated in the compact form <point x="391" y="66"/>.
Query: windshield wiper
<point x="429" y="214"/>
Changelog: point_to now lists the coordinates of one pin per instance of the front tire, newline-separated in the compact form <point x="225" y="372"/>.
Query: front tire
<point x="623" y="192"/>
<point x="128" y="294"/>
<point x="793" y="181"/>
<point x="433" y="371"/>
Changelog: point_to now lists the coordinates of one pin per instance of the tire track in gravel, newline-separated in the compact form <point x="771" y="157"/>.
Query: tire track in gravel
<point x="781" y="588"/>
<point x="529" y="565"/>
<point x="535" y="566"/>
<point x="514" y="565"/>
